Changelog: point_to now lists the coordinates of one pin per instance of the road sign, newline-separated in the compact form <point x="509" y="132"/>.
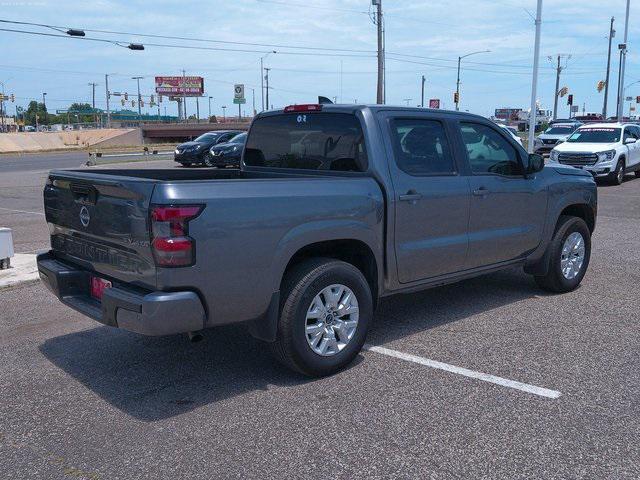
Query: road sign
<point x="575" y="108"/>
<point x="629" y="99"/>
<point x="238" y="94"/>
<point x="434" y="103"/>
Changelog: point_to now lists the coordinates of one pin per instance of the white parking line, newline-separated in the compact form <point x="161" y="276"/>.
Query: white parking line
<point x="21" y="211"/>
<point x="485" y="377"/>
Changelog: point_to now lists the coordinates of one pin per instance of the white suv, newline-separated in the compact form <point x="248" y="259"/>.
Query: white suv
<point x="607" y="150"/>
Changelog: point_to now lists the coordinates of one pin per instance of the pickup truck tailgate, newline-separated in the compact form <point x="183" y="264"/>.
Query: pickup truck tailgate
<point x="102" y="223"/>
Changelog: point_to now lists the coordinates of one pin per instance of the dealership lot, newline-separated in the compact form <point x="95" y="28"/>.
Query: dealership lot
<point x="85" y="401"/>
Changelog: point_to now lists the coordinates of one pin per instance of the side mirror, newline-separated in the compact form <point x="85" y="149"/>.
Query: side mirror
<point x="536" y="163"/>
<point x="629" y="141"/>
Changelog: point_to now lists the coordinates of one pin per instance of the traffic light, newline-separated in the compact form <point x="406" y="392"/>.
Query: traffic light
<point x="133" y="103"/>
<point x="638" y="99"/>
<point x="152" y="99"/>
<point x="159" y="98"/>
<point x="601" y="85"/>
<point x="456" y="97"/>
<point x="141" y="102"/>
<point x="122" y="101"/>
<point x="570" y="99"/>
<point x="13" y="98"/>
<point x="126" y="97"/>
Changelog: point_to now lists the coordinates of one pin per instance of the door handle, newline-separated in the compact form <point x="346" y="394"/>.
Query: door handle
<point x="481" y="192"/>
<point x="410" y="196"/>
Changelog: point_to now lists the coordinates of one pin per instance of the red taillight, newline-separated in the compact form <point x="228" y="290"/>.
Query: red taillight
<point x="308" y="107"/>
<point x="172" y="247"/>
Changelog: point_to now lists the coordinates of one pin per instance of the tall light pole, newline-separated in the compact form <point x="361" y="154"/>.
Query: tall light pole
<point x="184" y="96"/>
<point x="422" y="92"/>
<point x="612" y="34"/>
<point x="2" y="112"/>
<point x="262" y="77"/>
<point x="534" y="81"/>
<point x="253" y="96"/>
<point x="224" y="113"/>
<point x="458" y="80"/>
<point x="137" y="79"/>
<point x="623" y="61"/>
<point x="210" y="107"/>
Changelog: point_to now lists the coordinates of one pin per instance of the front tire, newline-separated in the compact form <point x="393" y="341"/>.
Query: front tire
<point x="617" y="176"/>
<point x="570" y="252"/>
<point x="325" y="314"/>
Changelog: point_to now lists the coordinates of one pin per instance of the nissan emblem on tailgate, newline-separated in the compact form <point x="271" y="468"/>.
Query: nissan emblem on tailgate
<point x="84" y="216"/>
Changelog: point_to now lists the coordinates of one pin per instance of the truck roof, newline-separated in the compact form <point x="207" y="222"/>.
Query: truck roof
<point x="351" y="108"/>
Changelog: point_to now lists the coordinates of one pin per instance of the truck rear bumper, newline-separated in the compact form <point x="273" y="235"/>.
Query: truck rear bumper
<point x="147" y="313"/>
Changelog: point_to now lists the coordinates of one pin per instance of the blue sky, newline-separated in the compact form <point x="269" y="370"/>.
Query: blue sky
<point x="439" y="30"/>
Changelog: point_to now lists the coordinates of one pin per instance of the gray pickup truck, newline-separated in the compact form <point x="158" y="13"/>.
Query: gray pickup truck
<point x="334" y="207"/>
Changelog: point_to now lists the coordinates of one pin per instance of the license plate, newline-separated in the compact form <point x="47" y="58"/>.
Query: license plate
<point x="98" y="286"/>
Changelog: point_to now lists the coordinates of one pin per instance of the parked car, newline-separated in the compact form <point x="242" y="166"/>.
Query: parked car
<point x="196" y="152"/>
<point x="513" y="132"/>
<point x="556" y="133"/>
<point x="228" y="154"/>
<point x="606" y="150"/>
<point x="335" y="207"/>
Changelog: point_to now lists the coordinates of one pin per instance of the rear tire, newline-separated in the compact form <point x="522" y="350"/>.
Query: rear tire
<point x="306" y="320"/>
<point x="566" y="268"/>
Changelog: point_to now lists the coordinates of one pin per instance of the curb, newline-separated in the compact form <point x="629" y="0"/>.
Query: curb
<point x="23" y="270"/>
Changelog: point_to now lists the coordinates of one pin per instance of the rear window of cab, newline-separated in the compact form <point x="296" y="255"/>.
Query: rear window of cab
<point x="307" y="141"/>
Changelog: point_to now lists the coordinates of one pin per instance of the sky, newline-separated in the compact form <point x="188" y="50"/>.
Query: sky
<point x="423" y="37"/>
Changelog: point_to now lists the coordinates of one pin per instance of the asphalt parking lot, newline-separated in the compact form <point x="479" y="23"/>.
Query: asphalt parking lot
<point x="79" y="400"/>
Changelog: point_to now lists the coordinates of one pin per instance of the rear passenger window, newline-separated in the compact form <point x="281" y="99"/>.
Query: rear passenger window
<point x="488" y="151"/>
<point x="421" y="147"/>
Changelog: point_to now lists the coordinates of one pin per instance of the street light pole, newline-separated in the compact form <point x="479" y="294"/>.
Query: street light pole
<point x="379" y="22"/>
<point x="224" y="113"/>
<point x="210" y="107"/>
<point x="422" y="93"/>
<point x="262" y="78"/>
<point x="623" y="61"/>
<point x="184" y="96"/>
<point x="534" y="81"/>
<point x="458" y="80"/>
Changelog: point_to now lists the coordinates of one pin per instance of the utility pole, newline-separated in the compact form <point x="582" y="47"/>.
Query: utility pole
<point x="623" y="61"/>
<point x="93" y="102"/>
<point x="266" y="78"/>
<point x="106" y="86"/>
<point x="44" y="105"/>
<point x="184" y="96"/>
<point x="210" y="107"/>
<point x="559" y="69"/>
<point x="379" y="23"/>
<point x="612" y="34"/>
<point x="137" y="79"/>
<point x="534" y="81"/>
<point x="422" y="93"/>
<point x="262" y="82"/>
<point x="197" y="110"/>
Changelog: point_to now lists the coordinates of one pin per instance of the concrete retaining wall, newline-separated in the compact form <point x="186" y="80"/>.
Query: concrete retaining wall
<point x="44" y="141"/>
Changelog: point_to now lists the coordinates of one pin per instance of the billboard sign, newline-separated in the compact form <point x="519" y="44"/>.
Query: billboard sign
<point x="434" y="103"/>
<point x="179" y="86"/>
<point x="238" y="94"/>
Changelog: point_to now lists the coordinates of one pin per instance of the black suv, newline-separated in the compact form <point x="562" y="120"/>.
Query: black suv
<point x="196" y="152"/>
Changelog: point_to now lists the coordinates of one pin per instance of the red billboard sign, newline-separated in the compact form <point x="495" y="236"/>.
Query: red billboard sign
<point x="178" y="86"/>
<point x="434" y="103"/>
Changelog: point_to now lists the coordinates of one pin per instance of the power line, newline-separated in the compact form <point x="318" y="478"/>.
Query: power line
<point x="193" y="39"/>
